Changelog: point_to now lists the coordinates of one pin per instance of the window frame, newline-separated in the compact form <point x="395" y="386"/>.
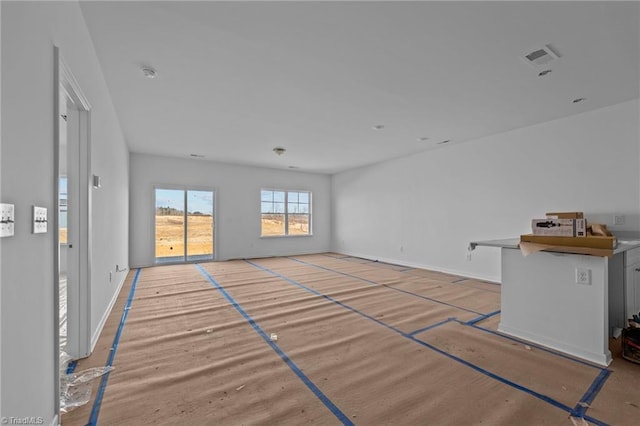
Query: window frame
<point x="152" y="222"/>
<point x="286" y="212"/>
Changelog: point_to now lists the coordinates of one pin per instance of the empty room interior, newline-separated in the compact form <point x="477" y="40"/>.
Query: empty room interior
<point x="320" y="212"/>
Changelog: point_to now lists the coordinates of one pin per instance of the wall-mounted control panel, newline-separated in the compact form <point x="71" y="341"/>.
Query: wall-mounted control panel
<point x="6" y="220"/>
<point x="39" y="220"/>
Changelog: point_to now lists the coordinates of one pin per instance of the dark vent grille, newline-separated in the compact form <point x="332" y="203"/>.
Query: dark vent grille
<point x="536" y="55"/>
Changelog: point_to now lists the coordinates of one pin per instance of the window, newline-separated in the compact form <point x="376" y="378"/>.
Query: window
<point x="184" y="225"/>
<point x="62" y="217"/>
<point x="285" y="212"/>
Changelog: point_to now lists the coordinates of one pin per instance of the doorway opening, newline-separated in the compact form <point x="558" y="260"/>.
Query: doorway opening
<point x="184" y="225"/>
<point x="71" y="219"/>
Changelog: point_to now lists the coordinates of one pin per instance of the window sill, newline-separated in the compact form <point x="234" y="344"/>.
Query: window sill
<point x="285" y="236"/>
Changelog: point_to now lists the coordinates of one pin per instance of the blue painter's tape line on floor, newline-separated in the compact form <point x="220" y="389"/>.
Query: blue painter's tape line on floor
<point x="483" y="317"/>
<point x="421" y="330"/>
<point x="316" y="391"/>
<point x="72" y="367"/>
<point x="95" y="411"/>
<point x="524" y="342"/>
<point x="385" y="286"/>
<point x="582" y="406"/>
<point x="324" y="296"/>
<point x="496" y="377"/>
<point x="477" y="368"/>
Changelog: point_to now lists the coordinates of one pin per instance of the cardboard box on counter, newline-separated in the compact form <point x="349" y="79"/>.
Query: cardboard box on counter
<point x="590" y="241"/>
<point x="565" y="215"/>
<point x="559" y="227"/>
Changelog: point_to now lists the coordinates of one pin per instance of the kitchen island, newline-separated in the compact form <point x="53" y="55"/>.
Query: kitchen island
<point x="569" y="302"/>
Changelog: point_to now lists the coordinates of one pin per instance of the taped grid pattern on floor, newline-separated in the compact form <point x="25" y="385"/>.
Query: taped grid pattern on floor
<point x="330" y="339"/>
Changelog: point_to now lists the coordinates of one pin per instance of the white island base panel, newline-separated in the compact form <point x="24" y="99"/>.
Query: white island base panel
<point x="542" y="303"/>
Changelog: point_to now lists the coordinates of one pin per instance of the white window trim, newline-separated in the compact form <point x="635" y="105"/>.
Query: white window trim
<point x="152" y="221"/>
<point x="286" y="213"/>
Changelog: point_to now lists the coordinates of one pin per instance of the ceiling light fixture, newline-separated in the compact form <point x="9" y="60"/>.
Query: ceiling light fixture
<point x="149" y="72"/>
<point x="279" y="150"/>
<point x="543" y="73"/>
<point x="578" y="100"/>
<point x="378" y="127"/>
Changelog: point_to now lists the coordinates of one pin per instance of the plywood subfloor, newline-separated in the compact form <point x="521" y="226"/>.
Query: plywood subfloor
<point x="358" y="342"/>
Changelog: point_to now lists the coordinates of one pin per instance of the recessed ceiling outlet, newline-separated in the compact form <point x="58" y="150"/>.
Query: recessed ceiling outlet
<point x="294" y="167"/>
<point x="423" y="139"/>
<point x="443" y="142"/>
<point x="578" y="100"/>
<point x="196" y="155"/>
<point x="378" y="127"/>
<point x="541" y="56"/>
<point x="543" y="73"/>
<point x="279" y="151"/>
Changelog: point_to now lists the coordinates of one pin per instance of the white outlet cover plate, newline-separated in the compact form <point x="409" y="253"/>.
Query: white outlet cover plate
<point x="583" y="276"/>
<point x="7" y="218"/>
<point x="39" y="220"/>
<point x="618" y="220"/>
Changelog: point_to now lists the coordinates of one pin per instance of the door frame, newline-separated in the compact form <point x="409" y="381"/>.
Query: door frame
<point x="184" y="188"/>
<point x="63" y="78"/>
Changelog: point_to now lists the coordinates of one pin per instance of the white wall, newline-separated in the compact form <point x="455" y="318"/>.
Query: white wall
<point x="29" y="32"/>
<point x="0" y="201"/>
<point x="424" y="209"/>
<point x="238" y="205"/>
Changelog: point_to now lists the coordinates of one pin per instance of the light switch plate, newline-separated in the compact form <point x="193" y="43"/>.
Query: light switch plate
<point x="39" y="220"/>
<point x="6" y="220"/>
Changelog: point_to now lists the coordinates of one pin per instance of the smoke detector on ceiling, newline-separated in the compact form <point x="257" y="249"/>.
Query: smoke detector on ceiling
<point x="541" y="56"/>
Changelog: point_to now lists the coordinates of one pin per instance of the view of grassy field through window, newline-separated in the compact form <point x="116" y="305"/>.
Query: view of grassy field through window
<point x="170" y="226"/>
<point x="62" y="212"/>
<point x="285" y="213"/>
<point x="282" y="213"/>
<point x="170" y="235"/>
<point x="273" y="224"/>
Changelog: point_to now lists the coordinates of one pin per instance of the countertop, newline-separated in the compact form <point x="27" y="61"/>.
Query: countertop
<point x="514" y="243"/>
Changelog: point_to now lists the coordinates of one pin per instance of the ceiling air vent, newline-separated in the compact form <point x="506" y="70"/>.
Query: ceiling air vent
<point x="541" y="56"/>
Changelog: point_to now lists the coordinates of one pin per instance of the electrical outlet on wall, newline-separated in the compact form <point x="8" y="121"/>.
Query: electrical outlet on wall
<point x="6" y="220"/>
<point x="39" y="220"/>
<point x="583" y="276"/>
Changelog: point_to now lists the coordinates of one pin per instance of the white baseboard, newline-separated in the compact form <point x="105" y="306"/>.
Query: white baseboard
<point x="96" y="334"/>
<point x="492" y="279"/>
<point x="602" y="359"/>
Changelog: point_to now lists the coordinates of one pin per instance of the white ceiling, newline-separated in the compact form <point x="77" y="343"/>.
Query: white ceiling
<point x="236" y="79"/>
